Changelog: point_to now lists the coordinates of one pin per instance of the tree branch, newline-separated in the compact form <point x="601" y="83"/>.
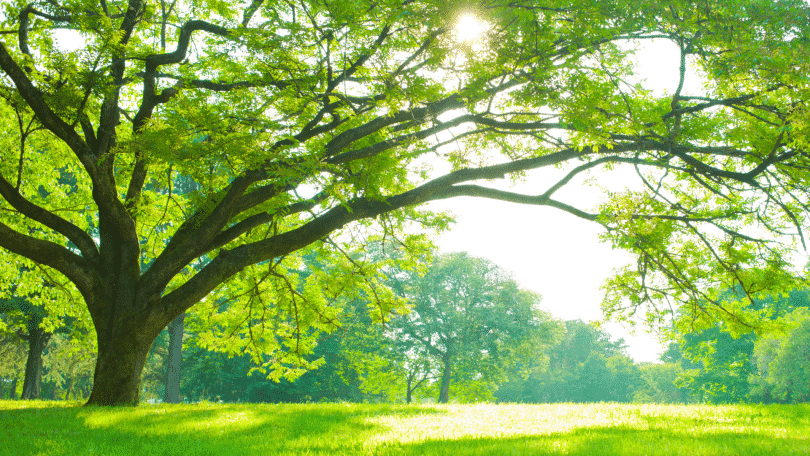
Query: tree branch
<point x="34" y="98"/>
<point x="76" y="235"/>
<point x="71" y="265"/>
<point x="491" y="193"/>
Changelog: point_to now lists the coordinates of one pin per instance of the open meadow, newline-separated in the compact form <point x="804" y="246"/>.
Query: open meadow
<point x="57" y="428"/>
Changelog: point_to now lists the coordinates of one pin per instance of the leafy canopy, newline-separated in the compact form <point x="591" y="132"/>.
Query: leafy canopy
<point x="312" y="128"/>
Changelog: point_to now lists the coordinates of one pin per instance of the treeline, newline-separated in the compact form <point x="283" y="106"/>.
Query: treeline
<point x="769" y="364"/>
<point x="471" y="335"/>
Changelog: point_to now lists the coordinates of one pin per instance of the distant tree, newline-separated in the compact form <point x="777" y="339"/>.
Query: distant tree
<point x="13" y="354"/>
<point x="26" y="317"/>
<point x="174" y="360"/>
<point x="624" y="378"/>
<point x="593" y="382"/>
<point x="658" y="384"/>
<point x="471" y="318"/>
<point x="30" y="317"/>
<point x="722" y="365"/>
<point x="380" y="367"/>
<point x="210" y="375"/>
<point x="718" y="360"/>
<point x="783" y="362"/>
<point x="68" y="368"/>
<point x="584" y="365"/>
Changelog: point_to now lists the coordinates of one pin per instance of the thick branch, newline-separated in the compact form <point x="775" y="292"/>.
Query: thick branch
<point x="491" y="193"/>
<point x="192" y="238"/>
<point x="76" y="235"/>
<point x="72" y="266"/>
<point x="418" y="115"/>
<point x="232" y="261"/>
<point x="723" y="102"/>
<point x="177" y="56"/>
<point x="263" y="218"/>
<point x="35" y="99"/>
<point x="150" y="99"/>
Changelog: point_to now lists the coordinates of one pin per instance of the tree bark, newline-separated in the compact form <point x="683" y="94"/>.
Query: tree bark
<point x="175" y="361"/>
<point x="444" y="392"/>
<point x="37" y="340"/>
<point x="122" y="353"/>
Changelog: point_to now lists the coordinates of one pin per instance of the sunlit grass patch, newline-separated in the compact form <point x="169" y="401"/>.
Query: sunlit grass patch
<point x="54" y="428"/>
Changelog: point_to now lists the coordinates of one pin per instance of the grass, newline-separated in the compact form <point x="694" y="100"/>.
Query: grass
<point x="57" y="428"/>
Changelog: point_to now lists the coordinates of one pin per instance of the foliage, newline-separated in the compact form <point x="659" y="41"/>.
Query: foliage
<point x="583" y="365"/>
<point x="723" y="365"/>
<point x="658" y="385"/>
<point x="12" y="364"/>
<point x="214" y="376"/>
<point x="309" y="128"/>
<point x="472" y="320"/>
<point x="68" y="368"/>
<point x="783" y="370"/>
<point x="385" y="430"/>
<point x="718" y="362"/>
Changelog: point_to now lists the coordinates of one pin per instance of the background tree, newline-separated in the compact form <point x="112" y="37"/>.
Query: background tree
<point x="314" y="119"/>
<point x="12" y="364"/>
<point x="30" y="317"/>
<point x="68" y="372"/>
<point x="718" y="363"/>
<point x="658" y="384"/>
<point x="472" y="319"/>
<point x="26" y="318"/>
<point x="584" y="365"/>
<point x="783" y="370"/>
<point x="381" y="367"/>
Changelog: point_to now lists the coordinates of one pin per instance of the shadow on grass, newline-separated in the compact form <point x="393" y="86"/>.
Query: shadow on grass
<point x="216" y="429"/>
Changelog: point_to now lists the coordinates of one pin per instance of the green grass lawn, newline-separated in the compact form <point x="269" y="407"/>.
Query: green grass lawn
<point x="55" y="428"/>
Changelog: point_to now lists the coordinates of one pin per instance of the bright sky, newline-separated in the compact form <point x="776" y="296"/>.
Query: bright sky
<point x="552" y="252"/>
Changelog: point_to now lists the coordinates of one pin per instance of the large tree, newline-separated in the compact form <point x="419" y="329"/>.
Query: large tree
<point x="303" y="121"/>
<point x="472" y="319"/>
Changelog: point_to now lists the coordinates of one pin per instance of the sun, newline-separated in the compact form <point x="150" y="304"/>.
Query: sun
<point x="470" y="28"/>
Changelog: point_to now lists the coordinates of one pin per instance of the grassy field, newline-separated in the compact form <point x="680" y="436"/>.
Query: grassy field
<point x="54" y="428"/>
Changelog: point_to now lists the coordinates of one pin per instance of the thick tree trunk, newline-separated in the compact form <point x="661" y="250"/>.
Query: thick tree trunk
<point x="175" y="361"/>
<point x="121" y="357"/>
<point x="409" y="393"/>
<point x="37" y="340"/>
<point x="444" y="392"/>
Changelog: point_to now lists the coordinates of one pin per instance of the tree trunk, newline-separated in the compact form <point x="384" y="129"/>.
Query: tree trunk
<point x="71" y="382"/>
<point x="2" y="388"/>
<point x="444" y="392"/>
<point x="121" y="357"/>
<point x="409" y="392"/>
<point x="37" y="340"/>
<point x="13" y="394"/>
<point x="175" y="361"/>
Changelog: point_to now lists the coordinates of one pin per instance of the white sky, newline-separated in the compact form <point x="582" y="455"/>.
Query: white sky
<point x="550" y="251"/>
